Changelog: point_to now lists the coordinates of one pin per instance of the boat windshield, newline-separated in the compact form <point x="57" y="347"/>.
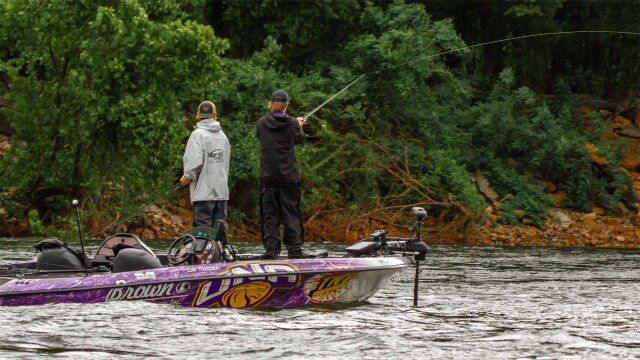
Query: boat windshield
<point x="119" y="240"/>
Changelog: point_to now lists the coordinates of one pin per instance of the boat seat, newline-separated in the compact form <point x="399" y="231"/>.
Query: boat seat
<point x="111" y="246"/>
<point x="57" y="256"/>
<point x="132" y="259"/>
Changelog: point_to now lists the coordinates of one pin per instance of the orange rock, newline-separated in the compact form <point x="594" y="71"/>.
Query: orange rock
<point x="585" y="109"/>
<point x="597" y="210"/>
<point x="551" y="187"/>
<point x="631" y="154"/>
<point x="533" y="230"/>
<point x="613" y="221"/>
<point x="148" y="234"/>
<point x="560" y="197"/>
<point x="621" y="122"/>
<point x="352" y="236"/>
<point x="593" y="154"/>
<point x="589" y="219"/>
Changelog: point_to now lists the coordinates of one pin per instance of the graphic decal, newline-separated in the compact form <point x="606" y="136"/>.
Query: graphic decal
<point x="139" y="292"/>
<point x="246" y="291"/>
<point x="183" y="287"/>
<point x="149" y="275"/>
<point x="246" y="295"/>
<point x="326" y="288"/>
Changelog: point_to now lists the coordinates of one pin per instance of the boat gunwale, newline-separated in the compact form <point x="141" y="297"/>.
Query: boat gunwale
<point x="205" y="277"/>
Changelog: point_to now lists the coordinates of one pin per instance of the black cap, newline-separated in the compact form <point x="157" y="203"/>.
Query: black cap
<point x="280" y="96"/>
<point x="206" y="109"/>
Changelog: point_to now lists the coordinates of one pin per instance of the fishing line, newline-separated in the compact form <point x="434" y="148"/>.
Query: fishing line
<point x="143" y="208"/>
<point x="469" y="47"/>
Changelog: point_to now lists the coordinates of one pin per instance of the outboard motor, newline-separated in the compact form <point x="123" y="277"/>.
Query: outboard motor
<point x="132" y="259"/>
<point x="56" y="255"/>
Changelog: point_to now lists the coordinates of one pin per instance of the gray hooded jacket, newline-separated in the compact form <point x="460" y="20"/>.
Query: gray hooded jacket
<point x="206" y="162"/>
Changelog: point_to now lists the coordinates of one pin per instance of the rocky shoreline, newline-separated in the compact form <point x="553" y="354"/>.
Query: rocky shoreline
<point x="563" y="227"/>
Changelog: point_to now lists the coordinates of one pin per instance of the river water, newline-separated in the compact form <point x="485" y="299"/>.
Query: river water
<point x="474" y="302"/>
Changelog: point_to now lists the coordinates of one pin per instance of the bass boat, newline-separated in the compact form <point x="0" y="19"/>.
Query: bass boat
<point x="199" y="271"/>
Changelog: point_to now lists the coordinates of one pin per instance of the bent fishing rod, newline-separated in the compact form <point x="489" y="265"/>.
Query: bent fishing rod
<point x="465" y="48"/>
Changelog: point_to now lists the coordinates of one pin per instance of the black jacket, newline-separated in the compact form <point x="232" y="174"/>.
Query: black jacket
<point x="278" y="133"/>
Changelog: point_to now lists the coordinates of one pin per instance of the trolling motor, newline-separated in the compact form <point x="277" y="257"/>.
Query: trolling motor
<point x="378" y="244"/>
<point x="419" y="248"/>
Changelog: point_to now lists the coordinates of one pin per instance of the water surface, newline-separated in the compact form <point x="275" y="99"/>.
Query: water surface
<point x="474" y="302"/>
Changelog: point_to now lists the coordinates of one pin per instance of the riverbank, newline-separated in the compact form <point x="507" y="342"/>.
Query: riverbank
<point x="618" y="228"/>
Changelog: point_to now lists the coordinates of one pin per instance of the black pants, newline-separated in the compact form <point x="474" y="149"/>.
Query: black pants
<point x="206" y="212"/>
<point x="281" y="205"/>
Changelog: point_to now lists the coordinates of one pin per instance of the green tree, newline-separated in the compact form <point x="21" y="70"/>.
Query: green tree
<point x="97" y="90"/>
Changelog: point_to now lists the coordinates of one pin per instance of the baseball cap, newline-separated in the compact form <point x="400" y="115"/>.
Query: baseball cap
<point x="206" y="109"/>
<point x="280" y="96"/>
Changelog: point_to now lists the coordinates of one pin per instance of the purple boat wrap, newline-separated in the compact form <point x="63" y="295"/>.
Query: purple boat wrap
<point x="243" y="284"/>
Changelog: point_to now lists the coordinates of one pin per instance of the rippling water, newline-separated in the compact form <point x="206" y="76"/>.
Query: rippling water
<point x="474" y="303"/>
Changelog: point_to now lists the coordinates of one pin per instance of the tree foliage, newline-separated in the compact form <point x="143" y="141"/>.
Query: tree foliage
<point x="97" y="90"/>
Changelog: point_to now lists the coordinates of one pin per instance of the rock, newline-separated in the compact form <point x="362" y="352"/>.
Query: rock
<point x="484" y="188"/>
<point x="560" y="197"/>
<point x="622" y="208"/>
<point x="154" y="209"/>
<point x="5" y="144"/>
<point x="593" y="154"/>
<point x="620" y="238"/>
<point x="620" y="122"/>
<point x="614" y="221"/>
<point x="585" y="109"/>
<point x="630" y="154"/>
<point x="632" y="132"/>
<point x="562" y="220"/>
<point x="589" y="219"/>
<point x="551" y="187"/>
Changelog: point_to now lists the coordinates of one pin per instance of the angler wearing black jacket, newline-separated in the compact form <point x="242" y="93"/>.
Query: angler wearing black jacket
<point x="280" y="179"/>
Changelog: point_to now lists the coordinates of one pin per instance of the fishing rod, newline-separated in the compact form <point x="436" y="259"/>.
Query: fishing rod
<point x="142" y="209"/>
<point x="468" y="47"/>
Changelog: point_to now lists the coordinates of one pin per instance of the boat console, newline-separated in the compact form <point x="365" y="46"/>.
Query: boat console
<point x="199" y="246"/>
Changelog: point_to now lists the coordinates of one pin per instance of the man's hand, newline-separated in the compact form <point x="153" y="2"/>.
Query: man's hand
<point x="184" y="181"/>
<point x="300" y="121"/>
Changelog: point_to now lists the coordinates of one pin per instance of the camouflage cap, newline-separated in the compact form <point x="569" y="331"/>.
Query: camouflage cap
<point x="206" y="110"/>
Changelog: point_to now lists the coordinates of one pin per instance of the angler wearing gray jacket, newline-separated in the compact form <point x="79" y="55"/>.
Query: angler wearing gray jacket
<point x="206" y="168"/>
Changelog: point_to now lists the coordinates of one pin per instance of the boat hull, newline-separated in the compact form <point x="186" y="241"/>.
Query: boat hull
<point x="243" y="284"/>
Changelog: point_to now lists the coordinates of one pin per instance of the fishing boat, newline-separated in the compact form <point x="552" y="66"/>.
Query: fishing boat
<point x="199" y="271"/>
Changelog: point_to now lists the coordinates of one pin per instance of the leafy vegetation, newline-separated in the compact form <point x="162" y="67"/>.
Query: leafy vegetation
<point x="97" y="90"/>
